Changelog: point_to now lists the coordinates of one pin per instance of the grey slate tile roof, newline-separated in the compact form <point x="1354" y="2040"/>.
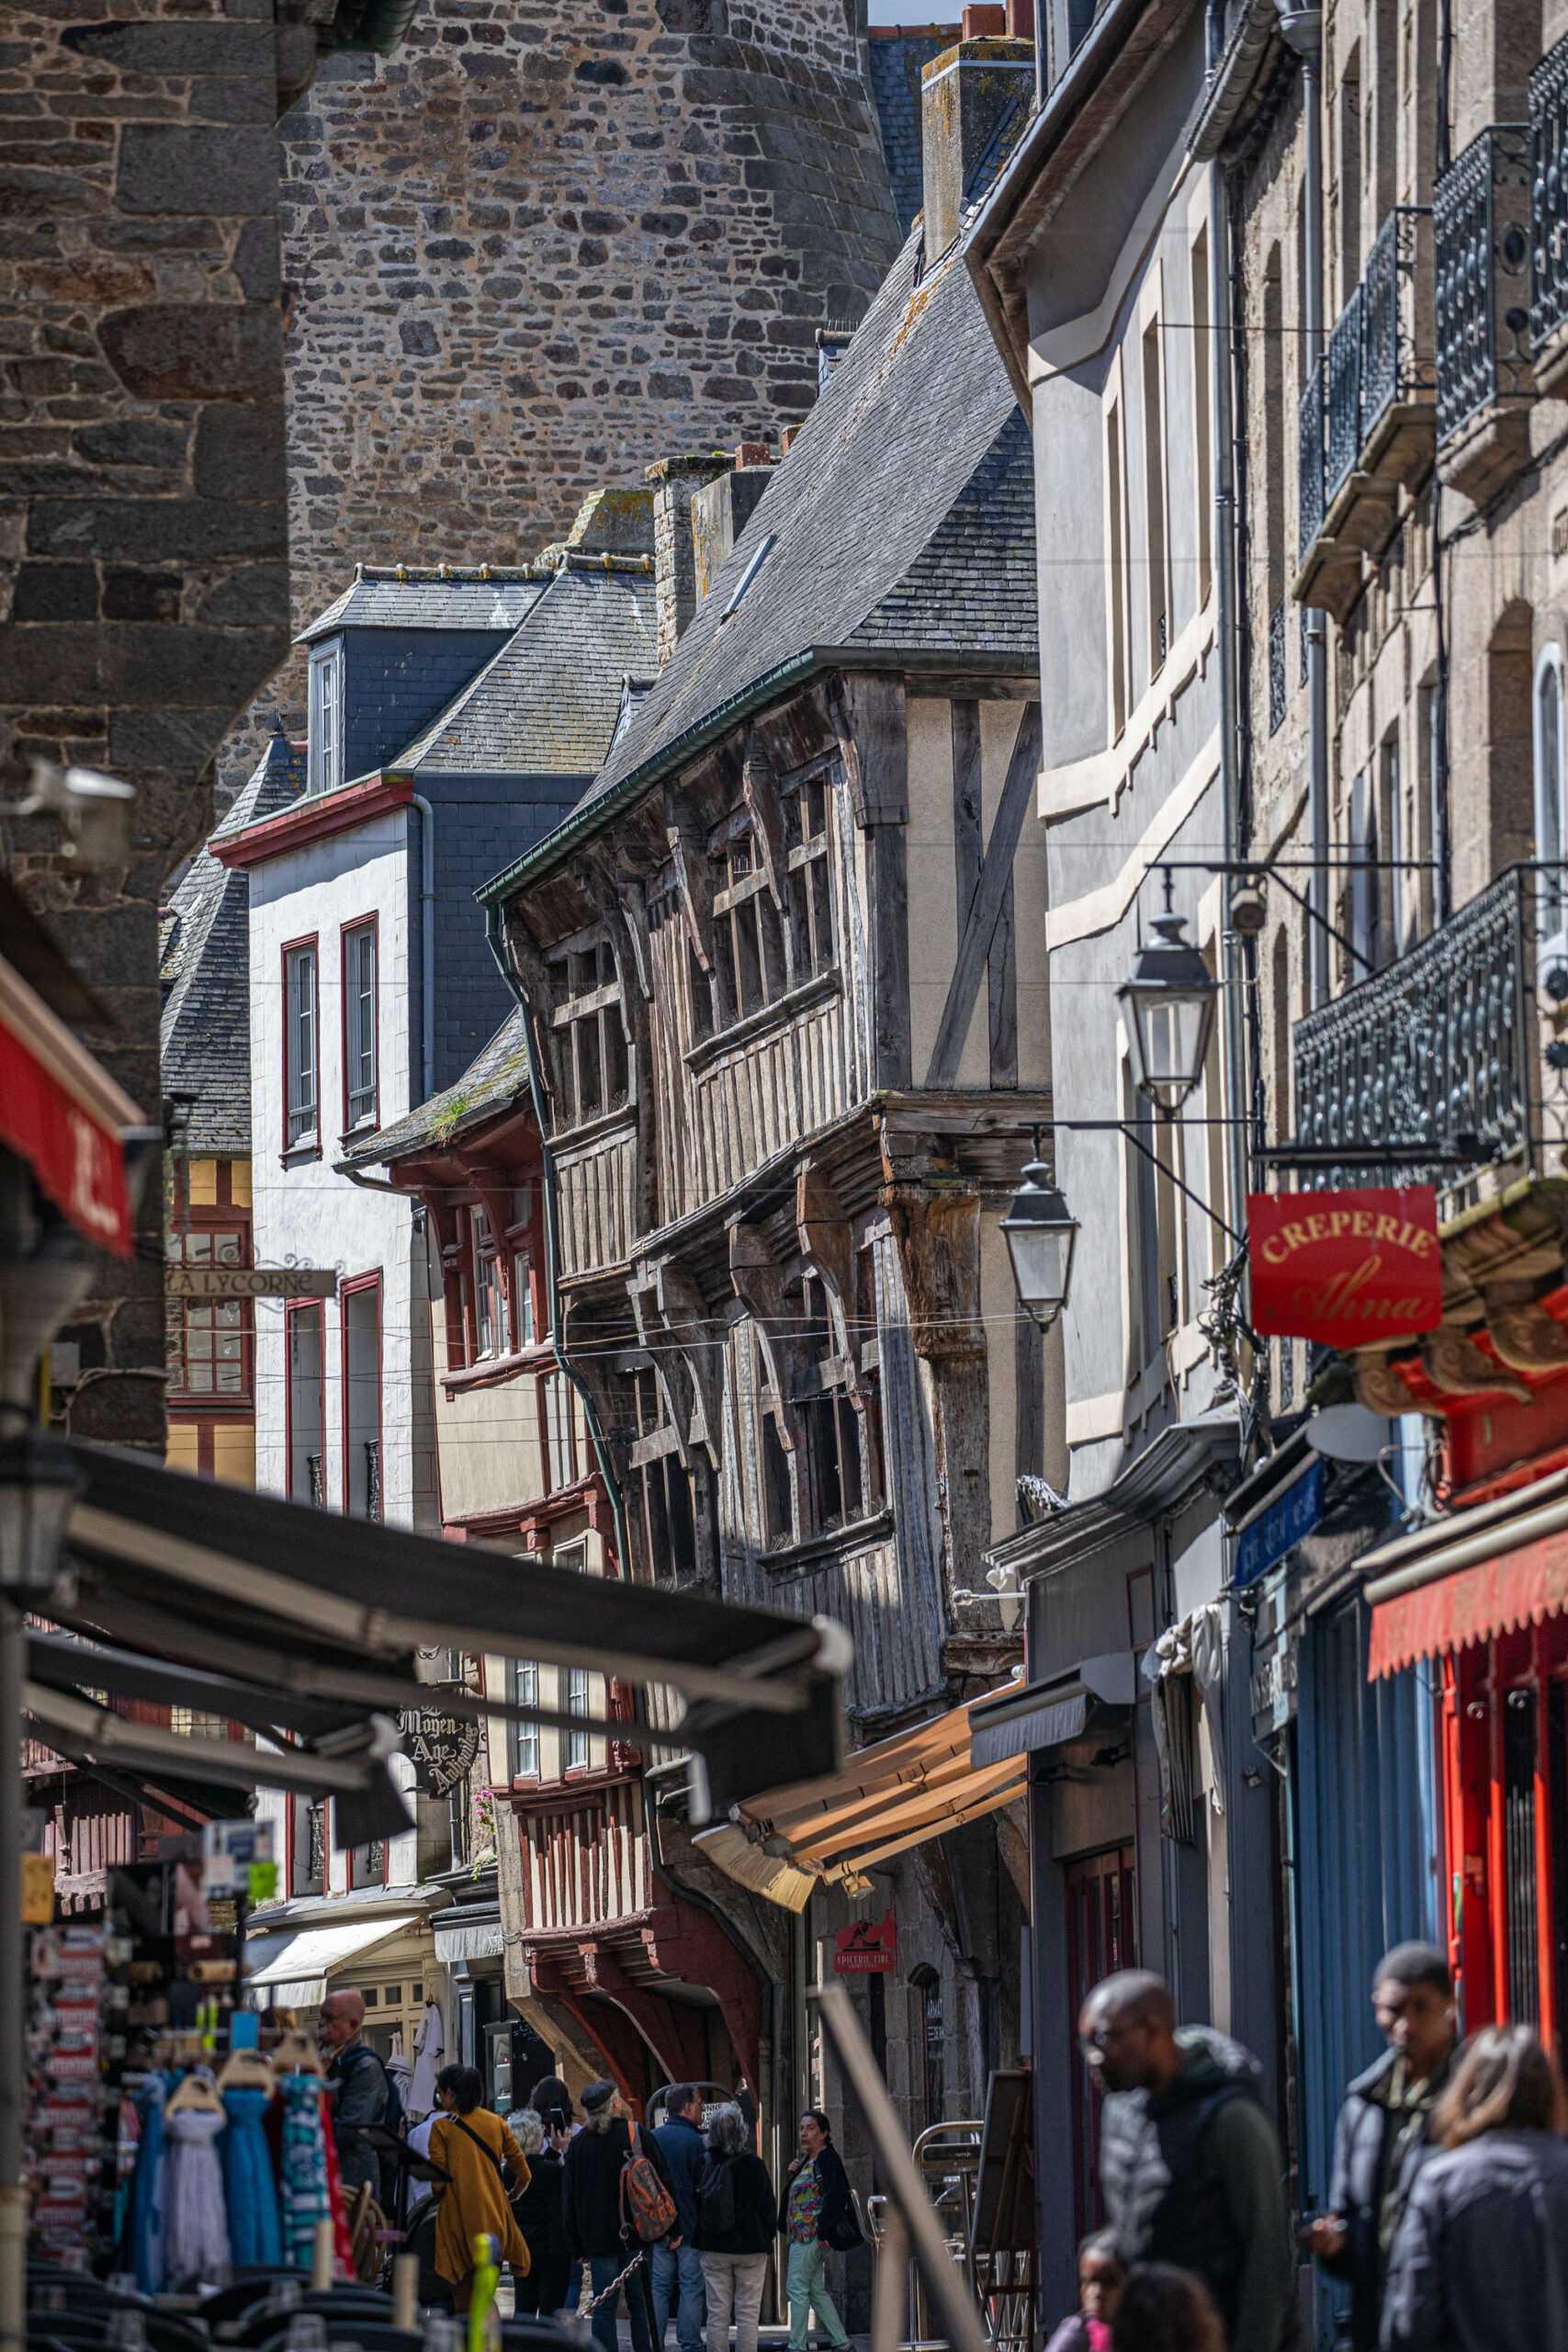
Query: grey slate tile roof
<point x="549" y="701"/>
<point x="896" y="58"/>
<point x="205" y="971"/>
<point x="426" y="600"/>
<point x="493" y="1081"/>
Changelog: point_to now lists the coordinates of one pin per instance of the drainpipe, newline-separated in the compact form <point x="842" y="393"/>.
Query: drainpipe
<point x="1301" y="28"/>
<point x="1219" y="298"/>
<point x="426" y="942"/>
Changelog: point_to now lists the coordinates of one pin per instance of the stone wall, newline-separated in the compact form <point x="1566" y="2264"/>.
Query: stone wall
<point x="544" y="246"/>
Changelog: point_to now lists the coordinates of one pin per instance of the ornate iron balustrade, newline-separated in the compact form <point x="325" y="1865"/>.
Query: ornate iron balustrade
<point x="1481" y="227"/>
<point x="1277" y="689"/>
<point x="1312" y="457"/>
<point x="1548" y="193"/>
<point x="1442" y="1049"/>
<point x="1399" y="364"/>
<point x="1344" y="397"/>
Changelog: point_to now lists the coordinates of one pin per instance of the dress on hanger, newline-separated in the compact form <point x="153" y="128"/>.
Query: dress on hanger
<point x="302" y="2175"/>
<point x="249" y="2189"/>
<point x="196" y="2237"/>
<point x="429" y="2049"/>
<point x="147" y="2195"/>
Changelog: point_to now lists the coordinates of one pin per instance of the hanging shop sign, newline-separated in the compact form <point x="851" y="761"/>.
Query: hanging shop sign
<point x="1344" y="1268"/>
<point x="867" y="1948"/>
<point x="251" y="1281"/>
<point x="1279" y="1529"/>
<point x="64" y="1116"/>
<point x="440" y="1748"/>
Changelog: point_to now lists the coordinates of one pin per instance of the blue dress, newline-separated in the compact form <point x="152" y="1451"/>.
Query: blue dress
<point x="249" y="2190"/>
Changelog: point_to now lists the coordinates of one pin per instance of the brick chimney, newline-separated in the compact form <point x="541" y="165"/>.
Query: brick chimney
<point x="964" y="93"/>
<point x="676" y="481"/>
<point x="722" y="508"/>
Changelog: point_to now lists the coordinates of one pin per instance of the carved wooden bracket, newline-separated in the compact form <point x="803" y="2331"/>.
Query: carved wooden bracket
<point x="825" y="1241"/>
<point x="938" y="1235"/>
<point x="670" y="1306"/>
<point x="533" y="976"/>
<point x="759" y="792"/>
<point x="689" y="857"/>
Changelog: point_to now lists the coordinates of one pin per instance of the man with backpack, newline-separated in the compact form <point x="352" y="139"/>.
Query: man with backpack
<point x="361" y="2092"/>
<point x="618" y="2198"/>
<point x="677" y="2269"/>
<point x="736" y="2220"/>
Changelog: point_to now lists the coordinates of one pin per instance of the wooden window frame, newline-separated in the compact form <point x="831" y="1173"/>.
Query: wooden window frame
<point x="309" y="1138"/>
<point x="487" y="1259"/>
<point x="520" y="1732"/>
<point x="748" y="937"/>
<point x="598" y="1011"/>
<point x="222" y="1400"/>
<point x="367" y="1121"/>
<point x="808" y="861"/>
<point x="666" y="1504"/>
<point x="355" y="1287"/>
<point x="323" y="757"/>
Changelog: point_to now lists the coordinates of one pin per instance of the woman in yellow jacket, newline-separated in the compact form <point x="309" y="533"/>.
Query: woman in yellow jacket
<point x="471" y="2144"/>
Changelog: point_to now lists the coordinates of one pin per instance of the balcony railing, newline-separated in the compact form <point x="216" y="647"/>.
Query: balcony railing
<point x="1278" y="690"/>
<point x="1548" y="196"/>
<point x="1482" y="222"/>
<point x="1313" y="428"/>
<point x="1444" y="1050"/>
<point x="1343" y="396"/>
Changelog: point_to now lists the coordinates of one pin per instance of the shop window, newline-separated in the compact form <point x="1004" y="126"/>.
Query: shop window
<point x="211" y="1351"/>
<point x="589" y="1038"/>
<point x="805" y="815"/>
<point x="746" y="931"/>
<point x="362" y="1398"/>
<point x="665" y="1489"/>
<point x="575" y="1746"/>
<point x="301" y="1047"/>
<point x="359" y="1026"/>
<point x="306" y="1409"/>
<point x="324" y="725"/>
<point x="1550" y="804"/>
<point x="524" y="1736"/>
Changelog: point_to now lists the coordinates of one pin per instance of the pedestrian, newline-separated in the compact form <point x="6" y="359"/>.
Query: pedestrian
<point x="1479" y="2262"/>
<point x="736" y="2214"/>
<point x="473" y="2145"/>
<point x="1102" y="2277"/>
<point x="597" y="2230"/>
<point x="552" y="2101"/>
<point x="360" y="2090"/>
<point x="540" y="2218"/>
<point x="815" y="2200"/>
<point x="675" y="2266"/>
<point x="1162" y="2308"/>
<point x="1383" y="2134"/>
<point x="1189" y="2163"/>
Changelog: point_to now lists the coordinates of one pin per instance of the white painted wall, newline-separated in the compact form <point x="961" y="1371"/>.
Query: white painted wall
<point x="304" y="1214"/>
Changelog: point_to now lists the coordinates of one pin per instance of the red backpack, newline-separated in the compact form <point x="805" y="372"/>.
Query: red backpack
<point x="648" y="2209"/>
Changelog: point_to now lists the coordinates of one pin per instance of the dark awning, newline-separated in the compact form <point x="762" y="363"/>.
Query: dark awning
<point x="65" y="1664"/>
<point x="1024" y="1717"/>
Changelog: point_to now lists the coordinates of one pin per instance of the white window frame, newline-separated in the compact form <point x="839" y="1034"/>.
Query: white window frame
<point x="361" y="1009"/>
<point x="1551" y="807"/>
<point x="303" y="1049"/>
<point x="324" y="754"/>
<point x="524" y="1736"/>
<point x="577" y="1752"/>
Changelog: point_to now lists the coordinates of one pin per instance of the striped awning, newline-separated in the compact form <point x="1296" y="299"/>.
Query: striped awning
<point x="1483" y="1572"/>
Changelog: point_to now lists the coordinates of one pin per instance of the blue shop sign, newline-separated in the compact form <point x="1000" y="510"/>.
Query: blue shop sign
<point x="1280" y="1528"/>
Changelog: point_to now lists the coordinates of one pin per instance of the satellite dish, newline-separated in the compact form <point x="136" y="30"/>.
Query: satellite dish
<point x="1347" y="1433"/>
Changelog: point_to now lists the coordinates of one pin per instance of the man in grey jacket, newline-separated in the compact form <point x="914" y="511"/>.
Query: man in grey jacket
<point x="359" y="2089"/>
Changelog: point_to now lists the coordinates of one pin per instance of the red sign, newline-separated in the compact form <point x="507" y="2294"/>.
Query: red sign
<point x="64" y="1115"/>
<point x="865" y="1948"/>
<point x="1344" y="1268"/>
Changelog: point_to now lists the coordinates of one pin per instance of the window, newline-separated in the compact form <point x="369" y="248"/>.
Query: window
<point x="367" y="1863"/>
<point x="1116" y="548"/>
<point x="1550" y="801"/>
<point x="523" y="1292"/>
<point x="669" y="1526"/>
<point x="489" y="1287"/>
<point x="310" y="1846"/>
<point x="866" y="1341"/>
<point x="575" y="1747"/>
<point x="325" y="759"/>
<point x="301" y="1045"/>
<point x="211" y="1352"/>
<point x="1365" y="927"/>
<point x="307" y="1415"/>
<point x="830" y="1423"/>
<point x="805" y="816"/>
<point x="524" y="1736"/>
<point x="362" y="1398"/>
<point x="1403" y="896"/>
<point x="1202" y="414"/>
<point x="591" y="1040"/>
<point x="1154" y="498"/>
<point x="189" y="1723"/>
<point x="558" y="1401"/>
<point x="359" y="1026"/>
<point x="746" y="929"/>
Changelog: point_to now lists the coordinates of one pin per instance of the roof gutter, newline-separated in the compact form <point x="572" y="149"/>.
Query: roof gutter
<point x="1233" y="79"/>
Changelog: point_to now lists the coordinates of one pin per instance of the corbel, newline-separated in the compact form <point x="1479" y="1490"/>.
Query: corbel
<point x="759" y="791"/>
<point x="759" y="1284"/>
<point x="670" y="1368"/>
<point x="688" y="857"/>
<point x="938" y="1234"/>
<point x="825" y="1242"/>
<point x="532" y="975"/>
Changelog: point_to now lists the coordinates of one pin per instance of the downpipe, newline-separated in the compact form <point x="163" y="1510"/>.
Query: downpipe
<point x="426" y="942"/>
<point x="1220" y="292"/>
<point x="1301" y="30"/>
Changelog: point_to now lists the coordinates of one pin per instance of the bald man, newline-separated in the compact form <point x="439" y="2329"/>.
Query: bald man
<point x="359" y="2089"/>
<point x="1188" y="2162"/>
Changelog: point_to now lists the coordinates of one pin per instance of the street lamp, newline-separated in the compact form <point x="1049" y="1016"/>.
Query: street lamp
<point x="39" y="1483"/>
<point x="1041" y="1230"/>
<point x="1170" y="1002"/>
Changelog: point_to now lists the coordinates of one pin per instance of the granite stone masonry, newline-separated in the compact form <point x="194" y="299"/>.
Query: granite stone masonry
<point x="546" y="246"/>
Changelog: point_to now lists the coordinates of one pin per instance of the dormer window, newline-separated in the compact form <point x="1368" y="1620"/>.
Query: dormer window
<point x="325" y="757"/>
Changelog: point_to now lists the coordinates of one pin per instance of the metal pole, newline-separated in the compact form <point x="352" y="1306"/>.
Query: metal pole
<point x="13" y="2021"/>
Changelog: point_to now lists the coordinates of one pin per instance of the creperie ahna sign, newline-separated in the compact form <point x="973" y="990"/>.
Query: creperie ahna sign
<point x="1345" y="1269"/>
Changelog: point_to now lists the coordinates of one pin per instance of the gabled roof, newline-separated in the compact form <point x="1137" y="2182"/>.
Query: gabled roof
<point x="472" y="599"/>
<point x="205" y="970"/>
<point x="549" y="701"/>
<point x="492" y="1081"/>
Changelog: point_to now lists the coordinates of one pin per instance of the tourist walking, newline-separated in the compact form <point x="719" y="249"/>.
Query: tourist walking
<point x="1480" y="2260"/>
<point x="1383" y="2134"/>
<point x="361" y="2093"/>
<point x="736" y="2219"/>
<point x="597" y="2230"/>
<point x="1189" y="2163"/>
<point x="540" y="2219"/>
<point x="674" y="2266"/>
<point x="473" y="2145"/>
<point x="815" y="2204"/>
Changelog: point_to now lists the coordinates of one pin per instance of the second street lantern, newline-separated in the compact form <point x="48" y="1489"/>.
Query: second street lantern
<point x="1170" y="1002"/>
<point x="1041" y="1229"/>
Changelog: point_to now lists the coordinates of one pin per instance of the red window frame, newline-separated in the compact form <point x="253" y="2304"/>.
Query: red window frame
<point x="311" y="939"/>
<point x="1101" y="1893"/>
<point x="372" y="923"/>
<point x="293" y="1308"/>
<point x="351" y="1286"/>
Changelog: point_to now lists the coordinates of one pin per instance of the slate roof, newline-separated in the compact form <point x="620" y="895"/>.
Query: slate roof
<point x="492" y="1081"/>
<point x="204" y="968"/>
<point x="550" y="702"/>
<point x="896" y="57"/>
<point x="405" y="599"/>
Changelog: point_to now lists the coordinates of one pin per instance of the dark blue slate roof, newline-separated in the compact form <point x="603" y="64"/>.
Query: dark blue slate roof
<point x="896" y="57"/>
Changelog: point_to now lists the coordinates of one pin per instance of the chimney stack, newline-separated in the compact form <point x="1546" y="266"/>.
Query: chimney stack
<point x="676" y="481"/>
<point x="722" y="508"/>
<point x="964" y="93"/>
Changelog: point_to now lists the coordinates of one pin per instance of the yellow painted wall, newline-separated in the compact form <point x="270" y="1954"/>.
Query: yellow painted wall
<point x="181" y="1451"/>
<point x="235" y="1454"/>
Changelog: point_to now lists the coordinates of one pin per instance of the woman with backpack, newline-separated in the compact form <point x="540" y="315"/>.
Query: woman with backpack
<point x="815" y="2211"/>
<point x="614" y="2181"/>
<point x="473" y="2146"/>
<point x="736" y="2220"/>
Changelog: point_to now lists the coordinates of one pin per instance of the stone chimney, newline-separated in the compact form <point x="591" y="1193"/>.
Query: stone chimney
<point x="676" y="481"/>
<point x="722" y="508"/>
<point x="964" y="93"/>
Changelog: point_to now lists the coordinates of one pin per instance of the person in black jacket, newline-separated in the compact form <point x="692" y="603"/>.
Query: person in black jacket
<point x="596" y="2231"/>
<point x="736" y="2219"/>
<point x="1382" y="2136"/>
<point x="816" y="2199"/>
<point x="540" y="2219"/>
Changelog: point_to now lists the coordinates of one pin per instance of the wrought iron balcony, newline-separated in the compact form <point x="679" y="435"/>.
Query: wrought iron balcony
<point x="1482" y="209"/>
<point x="1344" y="397"/>
<point x="1313" y="425"/>
<point x="1278" y="690"/>
<point x="1454" y="1049"/>
<point x="1548" y="218"/>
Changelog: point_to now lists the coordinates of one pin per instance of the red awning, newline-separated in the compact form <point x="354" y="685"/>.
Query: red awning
<point x="1495" y="1596"/>
<point x="64" y="1115"/>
